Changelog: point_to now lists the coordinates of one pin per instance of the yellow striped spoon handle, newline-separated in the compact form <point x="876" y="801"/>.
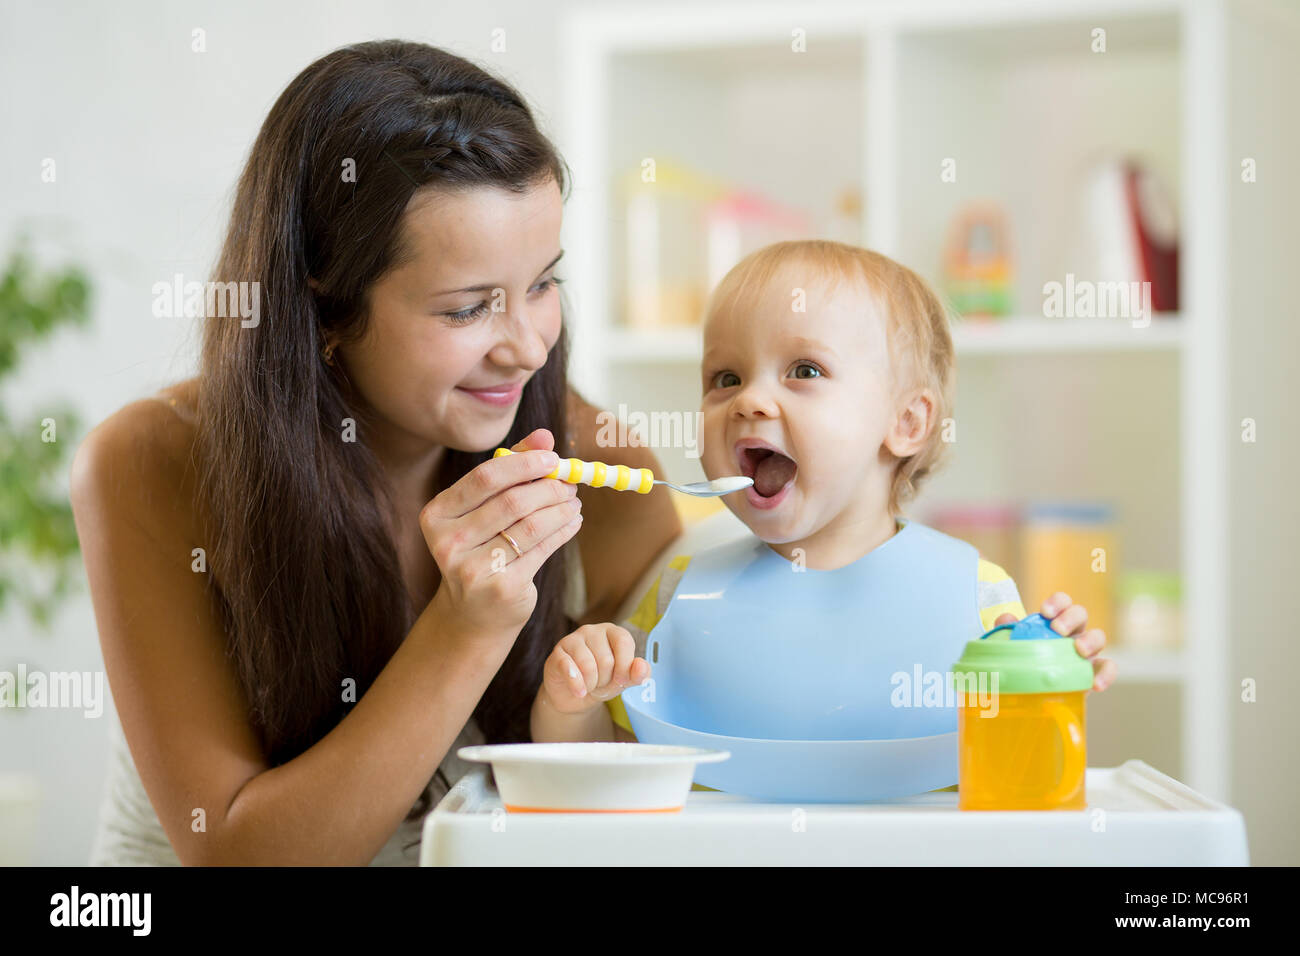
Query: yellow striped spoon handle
<point x="597" y="474"/>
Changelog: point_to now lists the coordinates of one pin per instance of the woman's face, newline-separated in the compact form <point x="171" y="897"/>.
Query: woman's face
<point x="456" y="331"/>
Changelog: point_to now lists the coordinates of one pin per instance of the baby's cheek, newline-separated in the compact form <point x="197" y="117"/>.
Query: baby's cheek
<point x="713" y="461"/>
<point x="838" y="487"/>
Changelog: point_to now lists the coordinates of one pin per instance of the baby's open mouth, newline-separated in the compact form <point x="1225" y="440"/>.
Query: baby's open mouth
<point x="771" y="470"/>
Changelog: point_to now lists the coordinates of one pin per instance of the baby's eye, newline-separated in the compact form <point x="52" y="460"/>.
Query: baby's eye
<point x="723" y="380"/>
<point x="816" y="372"/>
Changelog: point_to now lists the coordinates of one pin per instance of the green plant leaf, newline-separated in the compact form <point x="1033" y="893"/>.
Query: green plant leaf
<point x="36" y="521"/>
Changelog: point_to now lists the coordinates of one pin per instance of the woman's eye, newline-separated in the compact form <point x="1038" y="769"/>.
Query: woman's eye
<point x="802" y="365"/>
<point x="725" y="380"/>
<point x="467" y="315"/>
<point x="473" y="312"/>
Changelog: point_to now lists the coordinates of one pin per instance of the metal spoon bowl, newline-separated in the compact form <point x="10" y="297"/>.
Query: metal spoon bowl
<point x="710" y="489"/>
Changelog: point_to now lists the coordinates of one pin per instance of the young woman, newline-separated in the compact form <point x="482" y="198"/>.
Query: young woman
<point x="311" y="579"/>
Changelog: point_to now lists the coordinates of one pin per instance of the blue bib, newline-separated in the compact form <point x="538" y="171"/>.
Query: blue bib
<point x="773" y="663"/>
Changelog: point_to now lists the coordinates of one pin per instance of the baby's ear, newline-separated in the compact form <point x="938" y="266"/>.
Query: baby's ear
<point x="912" y="426"/>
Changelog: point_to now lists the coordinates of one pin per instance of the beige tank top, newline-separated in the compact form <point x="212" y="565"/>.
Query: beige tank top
<point x="129" y="834"/>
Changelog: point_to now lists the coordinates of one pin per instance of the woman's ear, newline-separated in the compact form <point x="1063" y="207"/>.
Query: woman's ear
<point x="912" y="426"/>
<point x="315" y="286"/>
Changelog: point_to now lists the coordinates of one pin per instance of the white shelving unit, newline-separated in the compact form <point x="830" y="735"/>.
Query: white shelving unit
<point x="1014" y="91"/>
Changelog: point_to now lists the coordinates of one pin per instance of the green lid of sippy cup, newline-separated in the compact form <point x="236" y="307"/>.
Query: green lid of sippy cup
<point x="1028" y="658"/>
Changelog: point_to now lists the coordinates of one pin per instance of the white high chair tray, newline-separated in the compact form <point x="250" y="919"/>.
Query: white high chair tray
<point x="1136" y="816"/>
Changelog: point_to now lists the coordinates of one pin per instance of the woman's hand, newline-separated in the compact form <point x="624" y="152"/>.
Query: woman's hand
<point x="1070" y="619"/>
<point x="487" y="589"/>
<point x="590" y="666"/>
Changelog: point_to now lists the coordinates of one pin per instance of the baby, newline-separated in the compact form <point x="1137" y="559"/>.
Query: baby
<point x="827" y="376"/>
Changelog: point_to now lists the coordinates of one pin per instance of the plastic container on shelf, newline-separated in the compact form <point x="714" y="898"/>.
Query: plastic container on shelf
<point x="664" y="277"/>
<point x="684" y="231"/>
<point x="1070" y="547"/>
<point x="1150" y="610"/>
<point x="992" y="529"/>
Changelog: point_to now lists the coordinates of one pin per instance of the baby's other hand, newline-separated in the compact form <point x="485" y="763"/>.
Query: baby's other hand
<point x="590" y="666"/>
<point x="1071" y="619"/>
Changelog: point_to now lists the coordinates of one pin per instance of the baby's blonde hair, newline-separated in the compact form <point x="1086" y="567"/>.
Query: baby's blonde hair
<point x="916" y="324"/>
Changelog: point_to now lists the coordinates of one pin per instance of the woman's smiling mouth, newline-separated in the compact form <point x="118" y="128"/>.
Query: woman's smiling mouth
<point x="499" y="395"/>
<point x="772" y="469"/>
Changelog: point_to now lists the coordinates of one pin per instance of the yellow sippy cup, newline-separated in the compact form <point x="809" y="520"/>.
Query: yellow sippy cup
<point x="1020" y="720"/>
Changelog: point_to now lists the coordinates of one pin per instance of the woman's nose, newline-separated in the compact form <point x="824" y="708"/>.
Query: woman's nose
<point x="522" y="344"/>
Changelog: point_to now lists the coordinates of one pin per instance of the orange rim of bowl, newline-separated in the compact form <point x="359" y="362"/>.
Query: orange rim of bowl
<point x="515" y="809"/>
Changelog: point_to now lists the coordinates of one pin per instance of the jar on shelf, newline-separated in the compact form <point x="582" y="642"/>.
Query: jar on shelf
<point x="664" y="279"/>
<point x="1070" y="547"/>
<point x="1150" y="610"/>
<point x="683" y="231"/>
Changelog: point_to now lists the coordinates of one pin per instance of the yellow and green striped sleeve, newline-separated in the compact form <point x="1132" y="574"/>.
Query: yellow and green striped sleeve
<point x="643" y="620"/>
<point x="997" y="594"/>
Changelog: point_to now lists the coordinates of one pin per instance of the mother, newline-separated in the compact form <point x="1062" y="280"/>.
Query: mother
<point x="298" y="559"/>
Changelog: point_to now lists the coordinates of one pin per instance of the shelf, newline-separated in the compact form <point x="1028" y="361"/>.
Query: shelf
<point x="1032" y="334"/>
<point x="924" y="108"/>
<point x="1140" y="665"/>
<point x="1009" y="336"/>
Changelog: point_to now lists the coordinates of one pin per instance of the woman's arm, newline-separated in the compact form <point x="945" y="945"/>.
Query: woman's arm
<point x="622" y="532"/>
<point x="182" y="710"/>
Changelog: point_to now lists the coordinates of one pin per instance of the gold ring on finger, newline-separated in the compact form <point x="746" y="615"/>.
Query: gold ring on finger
<point x="514" y="544"/>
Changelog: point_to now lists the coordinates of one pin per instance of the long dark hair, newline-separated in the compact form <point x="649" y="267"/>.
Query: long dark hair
<point x="303" y="563"/>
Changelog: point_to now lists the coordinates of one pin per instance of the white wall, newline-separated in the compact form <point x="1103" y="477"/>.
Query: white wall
<point x="1263" y="343"/>
<point x="148" y="138"/>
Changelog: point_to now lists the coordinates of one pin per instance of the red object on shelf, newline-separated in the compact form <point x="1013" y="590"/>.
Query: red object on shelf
<point x="1157" y="240"/>
<point x="1133" y="227"/>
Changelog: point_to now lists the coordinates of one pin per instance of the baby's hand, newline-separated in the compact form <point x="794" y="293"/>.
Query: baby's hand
<point x="1071" y="620"/>
<point x="590" y="666"/>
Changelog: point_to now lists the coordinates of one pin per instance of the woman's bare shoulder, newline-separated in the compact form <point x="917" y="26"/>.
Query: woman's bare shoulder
<point x="143" y="454"/>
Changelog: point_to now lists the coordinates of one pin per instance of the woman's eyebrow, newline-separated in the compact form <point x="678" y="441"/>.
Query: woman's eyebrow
<point x="488" y="287"/>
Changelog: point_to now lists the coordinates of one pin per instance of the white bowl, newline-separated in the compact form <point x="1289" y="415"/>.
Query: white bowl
<point x="592" y="777"/>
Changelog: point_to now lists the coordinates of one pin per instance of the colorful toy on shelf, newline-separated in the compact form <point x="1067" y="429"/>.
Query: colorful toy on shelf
<point x="977" y="262"/>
